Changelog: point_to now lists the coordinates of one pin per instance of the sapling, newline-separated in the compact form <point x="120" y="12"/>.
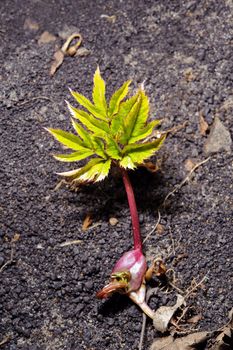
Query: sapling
<point x="115" y="133"/>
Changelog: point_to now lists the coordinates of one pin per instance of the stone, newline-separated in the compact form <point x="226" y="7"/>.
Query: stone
<point x="219" y="138"/>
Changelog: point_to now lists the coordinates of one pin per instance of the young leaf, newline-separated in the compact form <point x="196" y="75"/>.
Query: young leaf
<point x="117" y="121"/>
<point x="117" y="98"/>
<point x="144" y="132"/>
<point x="139" y="152"/>
<point x="74" y="175"/>
<point x="67" y="139"/>
<point x="98" y="127"/>
<point x="83" y="134"/>
<point x="99" y="93"/>
<point x="112" y="149"/>
<point x="97" y="172"/>
<point x="131" y="119"/>
<point x="73" y="157"/>
<point x="127" y="163"/>
<point x="83" y="101"/>
<point x="99" y="147"/>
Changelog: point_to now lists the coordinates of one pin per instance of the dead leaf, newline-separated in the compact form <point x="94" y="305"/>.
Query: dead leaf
<point x="87" y="222"/>
<point x="203" y="125"/>
<point x="30" y="24"/>
<point x="189" y="164"/>
<point x="195" y="319"/>
<point x="46" y="38"/>
<point x="224" y="340"/>
<point x="110" y="19"/>
<point x="16" y="237"/>
<point x="188" y="342"/>
<point x="160" y="229"/>
<point x="188" y="74"/>
<point x="113" y="221"/>
<point x="58" y="58"/>
<point x="164" y="314"/>
<point x="153" y="168"/>
<point x="82" y="52"/>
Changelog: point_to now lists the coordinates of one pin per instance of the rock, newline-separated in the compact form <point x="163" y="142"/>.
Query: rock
<point x="219" y="138"/>
<point x="113" y="221"/>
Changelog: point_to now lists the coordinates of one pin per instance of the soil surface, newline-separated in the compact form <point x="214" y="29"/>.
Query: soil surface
<point x="183" y="51"/>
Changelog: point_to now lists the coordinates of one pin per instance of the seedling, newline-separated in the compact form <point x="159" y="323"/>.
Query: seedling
<point x="114" y="133"/>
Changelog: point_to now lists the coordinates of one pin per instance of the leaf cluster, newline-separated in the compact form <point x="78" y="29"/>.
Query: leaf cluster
<point x="107" y="133"/>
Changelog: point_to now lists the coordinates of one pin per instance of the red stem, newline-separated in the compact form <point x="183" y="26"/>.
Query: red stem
<point x="133" y="210"/>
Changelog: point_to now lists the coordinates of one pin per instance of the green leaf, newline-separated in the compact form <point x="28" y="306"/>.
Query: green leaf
<point x="98" y="127"/>
<point x="117" y="121"/>
<point x="99" y="93"/>
<point x="67" y="139"/>
<point x="117" y="98"/>
<point x="76" y="173"/>
<point x="139" y="152"/>
<point x="112" y="149"/>
<point x="142" y="114"/>
<point x="83" y="134"/>
<point x="95" y="170"/>
<point x="83" y="101"/>
<point x="127" y="163"/>
<point x="131" y="119"/>
<point x="144" y="132"/>
<point x="98" y="147"/>
<point x="73" y="157"/>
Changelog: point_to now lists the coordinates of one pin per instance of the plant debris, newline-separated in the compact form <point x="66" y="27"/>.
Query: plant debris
<point x="46" y="38"/>
<point x="66" y="50"/>
<point x="87" y="222"/>
<point x="224" y="340"/>
<point x="203" y="125"/>
<point x="30" y="24"/>
<point x="189" y="342"/>
<point x="164" y="314"/>
<point x="110" y="19"/>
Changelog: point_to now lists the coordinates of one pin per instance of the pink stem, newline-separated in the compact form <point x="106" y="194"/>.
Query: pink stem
<point x="133" y="210"/>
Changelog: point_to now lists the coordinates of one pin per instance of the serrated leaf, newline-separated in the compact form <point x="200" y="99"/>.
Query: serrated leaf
<point x="131" y="119"/>
<point x="83" y="101"/>
<point x="76" y="173"/>
<point x="117" y="121"/>
<point x="98" y="127"/>
<point x="98" y="147"/>
<point x="83" y="134"/>
<point x="139" y="152"/>
<point x="144" y="132"/>
<point x="127" y="163"/>
<point x="117" y="98"/>
<point x="112" y="149"/>
<point x="67" y="139"/>
<point x="73" y="157"/>
<point x="142" y="117"/>
<point x="96" y="172"/>
<point x="99" y="93"/>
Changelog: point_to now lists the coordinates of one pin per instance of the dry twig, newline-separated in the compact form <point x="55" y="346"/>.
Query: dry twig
<point x="178" y="186"/>
<point x="154" y="228"/>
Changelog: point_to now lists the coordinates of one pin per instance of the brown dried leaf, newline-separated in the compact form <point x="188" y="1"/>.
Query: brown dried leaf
<point x="82" y="52"/>
<point x="153" y="168"/>
<point x="188" y="342"/>
<point x="87" y="222"/>
<point x="46" y="38"/>
<point x="195" y="319"/>
<point x="188" y="74"/>
<point x="58" y="58"/>
<point x="189" y="164"/>
<point x="16" y="237"/>
<point x="224" y="340"/>
<point x="164" y="314"/>
<point x="160" y="229"/>
<point x="203" y="125"/>
<point x="30" y="24"/>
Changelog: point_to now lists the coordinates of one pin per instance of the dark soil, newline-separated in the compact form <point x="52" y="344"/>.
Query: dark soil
<point x="183" y="50"/>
